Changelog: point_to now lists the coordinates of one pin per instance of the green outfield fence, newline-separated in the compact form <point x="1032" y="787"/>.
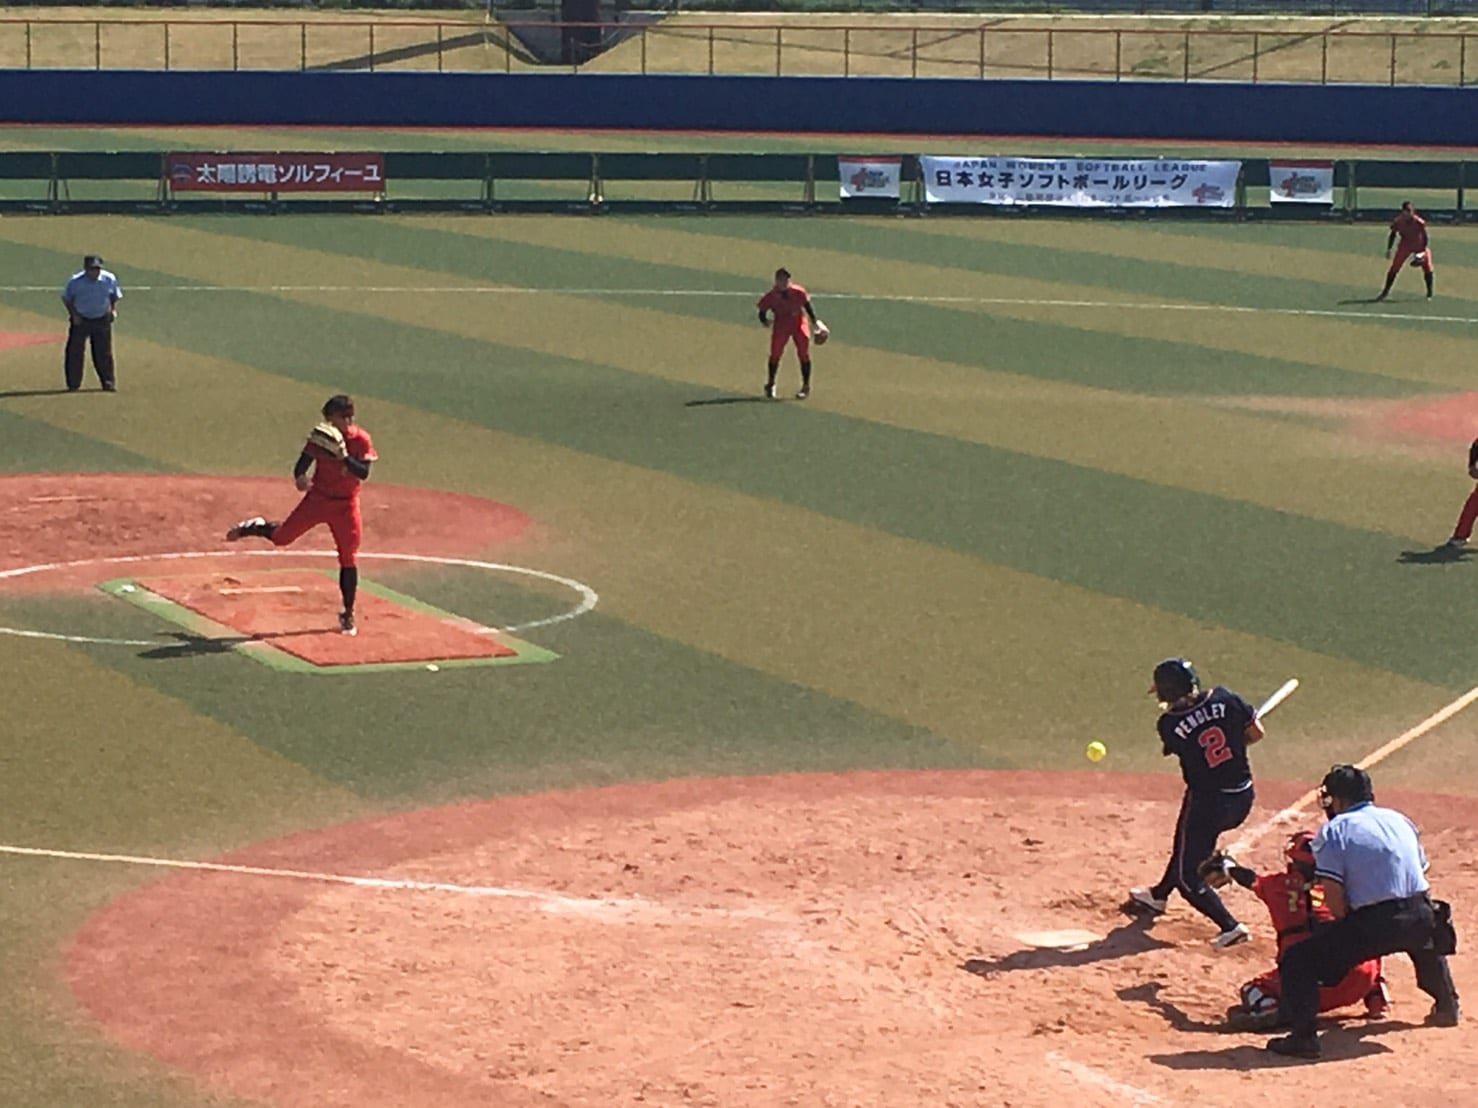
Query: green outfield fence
<point x="138" y="181"/>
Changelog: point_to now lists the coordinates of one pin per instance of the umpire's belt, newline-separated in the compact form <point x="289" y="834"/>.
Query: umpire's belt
<point x="1398" y="903"/>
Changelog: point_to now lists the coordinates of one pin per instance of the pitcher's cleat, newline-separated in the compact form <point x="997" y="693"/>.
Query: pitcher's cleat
<point x="346" y="624"/>
<point x="254" y="527"/>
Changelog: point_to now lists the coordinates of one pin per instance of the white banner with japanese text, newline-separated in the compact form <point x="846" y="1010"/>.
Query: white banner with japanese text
<point x="1081" y="182"/>
<point x="1301" y="182"/>
<point x="290" y="171"/>
<point x="870" y="176"/>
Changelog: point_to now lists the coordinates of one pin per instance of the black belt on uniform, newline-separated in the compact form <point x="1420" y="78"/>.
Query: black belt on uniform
<point x="1416" y="900"/>
<point x="94" y="319"/>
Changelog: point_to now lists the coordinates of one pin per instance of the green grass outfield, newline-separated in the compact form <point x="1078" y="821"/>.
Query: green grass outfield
<point x="1009" y="495"/>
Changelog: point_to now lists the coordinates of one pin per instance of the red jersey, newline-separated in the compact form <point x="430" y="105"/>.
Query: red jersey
<point x="331" y="476"/>
<point x="788" y="304"/>
<point x="1291" y="902"/>
<point x="1413" y="230"/>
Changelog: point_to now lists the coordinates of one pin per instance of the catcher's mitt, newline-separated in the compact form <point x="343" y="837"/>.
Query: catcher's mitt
<point x="822" y="333"/>
<point x="327" y="438"/>
<point x="1213" y="870"/>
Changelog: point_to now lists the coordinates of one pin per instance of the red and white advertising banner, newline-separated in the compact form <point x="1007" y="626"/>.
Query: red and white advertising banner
<point x="290" y="171"/>
<point x="1301" y="182"/>
<point x="1081" y="182"/>
<point x="870" y="176"/>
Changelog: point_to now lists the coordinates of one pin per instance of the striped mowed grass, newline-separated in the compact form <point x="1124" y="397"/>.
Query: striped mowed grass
<point x="1039" y="456"/>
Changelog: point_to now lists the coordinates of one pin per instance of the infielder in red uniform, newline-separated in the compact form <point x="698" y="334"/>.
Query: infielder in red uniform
<point x="792" y="310"/>
<point x="1296" y="908"/>
<point x="1412" y="230"/>
<point x="331" y="496"/>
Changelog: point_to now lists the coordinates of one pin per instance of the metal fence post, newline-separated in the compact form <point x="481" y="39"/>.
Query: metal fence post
<point x="438" y="49"/>
<point x="1324" y="58"/>
<point x="235" y="46"/>
<point x="644" y="51"/>
<point x="846" y="51"/>
<point x="1393" y="59"/>
<point x="28" y="44"/>
<point x="1186" y="51"/>
<point x="1256" y="53"/>
<point x="1462" y="60"/>
<point x="97" y="44"/>
<point x="302" y="46"/>
<point x="982" y="53"/>
<point x="372" y="47"/>
<point x="778" y="33"/>
<point x="166" y="45"/>
<point x="1118" y="55"/>
<point x="710" y="51"/>
<point x="1050" y="45"/>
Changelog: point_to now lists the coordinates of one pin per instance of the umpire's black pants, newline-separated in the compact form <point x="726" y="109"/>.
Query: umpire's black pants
<point x="1402" y="926"/>
<point x="100" y="333"/>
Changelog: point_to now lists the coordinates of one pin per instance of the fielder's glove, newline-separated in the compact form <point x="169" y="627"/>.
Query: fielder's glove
<point x="1216" y="870"/>
<point x="823" y="332"/>
<point x="327" y="438"/>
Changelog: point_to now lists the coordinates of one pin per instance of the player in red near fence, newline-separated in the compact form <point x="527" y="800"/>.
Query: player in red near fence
<point x="1296" y="908"/>
<point x="1412" y="230"/>
<point x="330" y="496"/>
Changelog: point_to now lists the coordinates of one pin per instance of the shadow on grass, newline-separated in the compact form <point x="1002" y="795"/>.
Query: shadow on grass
<point x="1438" y="555"/>
<point x="728" y="400"/>
<point x="13" y="393"/>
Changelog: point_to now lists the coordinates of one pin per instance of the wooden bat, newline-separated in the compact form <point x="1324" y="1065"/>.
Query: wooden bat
<point x="1284" y="691"/>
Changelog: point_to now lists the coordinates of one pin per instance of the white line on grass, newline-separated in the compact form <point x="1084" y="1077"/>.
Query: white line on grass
<point x="1436" y="719"/>
<point x="548" y="901"/>
<point x="985" y="301"/>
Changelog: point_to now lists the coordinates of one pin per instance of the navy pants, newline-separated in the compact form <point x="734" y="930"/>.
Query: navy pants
<point x="1390" y="927"/>
<point x="1203" y="818"/>
<point x="98" y="332"/>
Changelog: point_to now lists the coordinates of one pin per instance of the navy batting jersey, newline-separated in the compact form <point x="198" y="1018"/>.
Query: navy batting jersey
<point x="1209" y="736"/>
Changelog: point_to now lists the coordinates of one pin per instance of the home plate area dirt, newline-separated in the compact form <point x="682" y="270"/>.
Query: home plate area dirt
<point x="803" y="940"/>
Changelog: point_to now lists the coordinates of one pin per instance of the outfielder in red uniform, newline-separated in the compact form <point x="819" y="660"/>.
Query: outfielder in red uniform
<point x="793" y="320"/>
<point x="1412" y="230"/>
<point x="1465" y="518"/>
<point x="1296" y="908"/>
<point x="330" y="496"/>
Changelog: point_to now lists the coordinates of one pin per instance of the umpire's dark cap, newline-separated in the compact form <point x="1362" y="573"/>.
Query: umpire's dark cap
<point x="1348" y="783"/>
<point x="92" y="260"/>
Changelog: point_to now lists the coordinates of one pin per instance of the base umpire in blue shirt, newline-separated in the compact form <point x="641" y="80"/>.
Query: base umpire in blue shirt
<point x="91" y="297"/>
<point x="1371" y="867"/>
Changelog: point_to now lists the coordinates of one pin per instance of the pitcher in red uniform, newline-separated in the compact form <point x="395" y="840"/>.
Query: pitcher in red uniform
<point x="1296" y="908"/>
<point x="1412" y="230"/>
<point x="792" y="309"/>
<point x="330" y="496"/>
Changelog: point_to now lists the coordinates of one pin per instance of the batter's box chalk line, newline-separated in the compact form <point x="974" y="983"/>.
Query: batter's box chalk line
<point x="588" y="598"/>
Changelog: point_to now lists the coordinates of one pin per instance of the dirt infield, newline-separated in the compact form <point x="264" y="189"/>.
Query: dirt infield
<point x="805" y="940"/>
<point x="88" y="517"/>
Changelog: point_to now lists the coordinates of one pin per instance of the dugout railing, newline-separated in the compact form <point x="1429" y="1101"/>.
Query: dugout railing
<point x="531" y="181"/>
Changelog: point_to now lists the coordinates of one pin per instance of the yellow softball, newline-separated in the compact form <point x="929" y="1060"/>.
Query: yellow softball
<point x="1096" y="751"/>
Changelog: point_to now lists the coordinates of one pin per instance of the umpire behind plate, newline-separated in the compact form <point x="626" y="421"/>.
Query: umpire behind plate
<point x="1369" y="863"/>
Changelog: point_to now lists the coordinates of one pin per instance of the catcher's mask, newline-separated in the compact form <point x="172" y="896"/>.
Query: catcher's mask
<point x="1175" y="679"/>
<point x="1345" y="782"/>
<point x="1300" y="853"/>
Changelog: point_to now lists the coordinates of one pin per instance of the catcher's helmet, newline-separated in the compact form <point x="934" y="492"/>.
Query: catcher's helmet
<point x="1175" y="678"/>
<point x="1347" y="783"/>
<point x="1299" y="853"/>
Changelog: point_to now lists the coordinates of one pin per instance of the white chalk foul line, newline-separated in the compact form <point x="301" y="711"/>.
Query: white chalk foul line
<point x="588" y="596"/>
<point x="984" y="301"/>
<point x="1436" y="719"/>
<point x="548" y="901"/>
<point x="1097" y="1079"/>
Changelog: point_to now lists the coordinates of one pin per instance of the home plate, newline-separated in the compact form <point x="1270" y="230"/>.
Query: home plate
<point x="1070" y="939"/>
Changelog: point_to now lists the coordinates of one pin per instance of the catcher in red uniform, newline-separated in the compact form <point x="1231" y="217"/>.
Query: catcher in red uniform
<point x="1296" y="908"/>
<point x="339" y="453"/>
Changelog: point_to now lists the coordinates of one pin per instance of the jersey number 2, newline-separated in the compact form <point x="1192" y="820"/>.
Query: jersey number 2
<point x="1213" y="742"/>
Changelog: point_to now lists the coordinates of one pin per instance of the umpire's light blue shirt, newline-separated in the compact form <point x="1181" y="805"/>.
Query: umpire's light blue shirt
<point x="1373" y="852"/>
<point x="91" y="298"/>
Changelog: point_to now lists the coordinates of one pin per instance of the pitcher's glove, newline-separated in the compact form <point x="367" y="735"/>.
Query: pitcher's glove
<point x="823" y="332"/>
<point x="1216" y="870"/>
<point x="328" y="439"/>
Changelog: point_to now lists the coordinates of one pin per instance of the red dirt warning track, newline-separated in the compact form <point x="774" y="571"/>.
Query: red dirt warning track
<point x="296" y="611"/>
<point x="824" y="940"/>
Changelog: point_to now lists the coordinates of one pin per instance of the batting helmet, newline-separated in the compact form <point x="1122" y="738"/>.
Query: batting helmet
<point x="1175" y="678"/>
<point x="1300" y="853"/>
<point x="1348" y="783"/>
